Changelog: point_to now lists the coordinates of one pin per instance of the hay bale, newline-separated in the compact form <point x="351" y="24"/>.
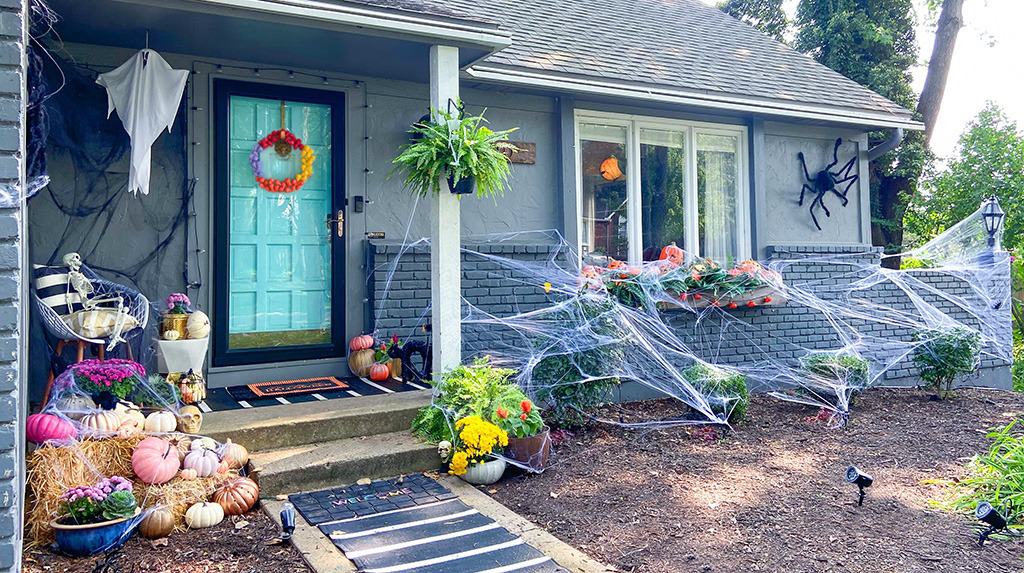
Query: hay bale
<point x="52" y="469"/>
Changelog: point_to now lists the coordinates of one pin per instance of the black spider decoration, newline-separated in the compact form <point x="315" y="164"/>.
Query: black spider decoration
<point x="827" y="180"/>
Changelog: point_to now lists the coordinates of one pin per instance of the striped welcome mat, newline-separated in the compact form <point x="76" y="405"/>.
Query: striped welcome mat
<point x="416" y="525"/>
<point x="284" y="388"/>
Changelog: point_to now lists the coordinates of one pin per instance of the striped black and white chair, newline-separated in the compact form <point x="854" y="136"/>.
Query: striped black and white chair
<point x="69" y="319"/>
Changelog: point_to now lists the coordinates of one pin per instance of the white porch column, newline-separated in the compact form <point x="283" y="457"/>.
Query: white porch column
<point x="445" y="231"/>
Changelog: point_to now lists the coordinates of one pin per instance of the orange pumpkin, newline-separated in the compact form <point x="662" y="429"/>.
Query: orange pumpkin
<point x="673" y="254"/>
<point x="610" y="169"/>
<point x="380" y="372"/>
<point x="361" y="342"/>
<point x="237" y="495"/>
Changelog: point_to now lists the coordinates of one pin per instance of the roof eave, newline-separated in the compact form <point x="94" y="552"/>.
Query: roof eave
<point x="710" y="100"/>
<point x="427" y="27"/>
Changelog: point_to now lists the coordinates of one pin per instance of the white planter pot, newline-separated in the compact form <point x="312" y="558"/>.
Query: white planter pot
<point x="485" y="473"/>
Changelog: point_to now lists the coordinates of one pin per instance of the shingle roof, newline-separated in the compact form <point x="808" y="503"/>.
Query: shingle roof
<point x="680" y="44"/>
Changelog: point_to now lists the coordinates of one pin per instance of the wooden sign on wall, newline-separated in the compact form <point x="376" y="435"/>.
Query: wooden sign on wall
<point x="525" y="154"/>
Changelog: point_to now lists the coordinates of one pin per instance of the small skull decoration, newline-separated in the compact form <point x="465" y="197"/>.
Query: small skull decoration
<point x="444" y="450"/>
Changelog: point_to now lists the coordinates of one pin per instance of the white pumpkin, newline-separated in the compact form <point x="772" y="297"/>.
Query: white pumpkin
<point x="205" y="462"/>
<point x="198" y="325"/>
<point x="75" y="406"/>
<point x="130" y="414"/>
<point x="172" y="335"/>
<point x="234" y="454"/>
<point x="202" y="443"/>
<point x="204" y="514"/>
<point x="102" y="421"/>
<point x="162" y="421"/>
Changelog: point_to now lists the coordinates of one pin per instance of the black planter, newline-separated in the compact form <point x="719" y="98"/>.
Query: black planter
<point x="465" y="186"/>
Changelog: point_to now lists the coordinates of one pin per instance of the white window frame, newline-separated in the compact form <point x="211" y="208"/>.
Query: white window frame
<point x="633" y="124"/>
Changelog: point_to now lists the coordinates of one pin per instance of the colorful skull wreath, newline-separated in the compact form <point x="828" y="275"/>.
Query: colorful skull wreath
<point x="284" y="142"/>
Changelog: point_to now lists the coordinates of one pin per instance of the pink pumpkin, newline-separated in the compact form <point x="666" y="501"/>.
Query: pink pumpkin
<point x="155" y="460"/>
<point x="204" y="461"/>
<point x="42" y="427"/>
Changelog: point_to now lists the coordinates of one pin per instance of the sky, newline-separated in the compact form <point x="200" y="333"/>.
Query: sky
<point x="986" y="66"/>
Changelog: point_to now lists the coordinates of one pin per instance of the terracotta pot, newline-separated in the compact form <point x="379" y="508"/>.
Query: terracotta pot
<point x="534" y="451"/>
<point x="485" y="473"/>
<point x="395" y="364"/>
<point x="176" y="322"/>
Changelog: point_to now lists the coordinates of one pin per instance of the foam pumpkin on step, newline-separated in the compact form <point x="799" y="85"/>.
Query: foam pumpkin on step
<point x="204" y="514"/>
<point x="237" y="495"/>
<point x="360" y="361"/>
<point x="204" y="461"/>
<point x="42" y="427"/>
<point x="155" y="461"/>
<point x="234" y="454"/>
<point x="380" y="372"/>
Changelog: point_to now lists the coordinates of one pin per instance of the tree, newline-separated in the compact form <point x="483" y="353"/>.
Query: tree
<point x="989" y="161"/>
<point x="765" y="15"/>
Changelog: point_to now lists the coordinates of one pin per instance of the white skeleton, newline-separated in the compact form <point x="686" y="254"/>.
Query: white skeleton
<point x="82" y="286"/>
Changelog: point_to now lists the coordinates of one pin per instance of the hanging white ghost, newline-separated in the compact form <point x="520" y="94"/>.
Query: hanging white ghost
<point x="146" y="92"/>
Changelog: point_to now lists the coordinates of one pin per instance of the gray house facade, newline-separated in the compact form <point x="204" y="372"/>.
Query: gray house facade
<point x="674" y="86"/>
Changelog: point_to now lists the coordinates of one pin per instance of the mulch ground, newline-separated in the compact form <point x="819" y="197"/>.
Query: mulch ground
<point x="238" y="545"/>
<point x="771" y="495"/>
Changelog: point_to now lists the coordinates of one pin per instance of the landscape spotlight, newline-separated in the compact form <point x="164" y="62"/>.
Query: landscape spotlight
<point x="988" y="514"/>
<point x="287" y="521"/>
<point x="860" y="479"/>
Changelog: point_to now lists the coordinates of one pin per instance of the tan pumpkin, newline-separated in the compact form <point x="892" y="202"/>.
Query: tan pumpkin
<point x="610" y="169"/>
<point x="204" y="514"/>
<point x="234" y="454"/>
<point x="161" y="422"/>
<point x="205" y="462"/>
<point x="203" y="443"/>
<point x="159" y="522"/>
<point x="360" y="361"/>
<point x="182" y="443"/>
<point x="130" y="414"/>
<point x="128" y="429"/>
<point x="237" y="495"/>
<point x="190" y="419"/>
<point x="102" y="421"/>
<point x="188" y="473"/>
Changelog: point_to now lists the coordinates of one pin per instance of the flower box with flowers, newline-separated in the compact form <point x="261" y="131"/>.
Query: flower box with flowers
<point x="669" y="283"/>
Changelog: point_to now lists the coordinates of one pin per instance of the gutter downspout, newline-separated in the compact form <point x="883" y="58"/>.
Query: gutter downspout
<point x="890" y="143"/>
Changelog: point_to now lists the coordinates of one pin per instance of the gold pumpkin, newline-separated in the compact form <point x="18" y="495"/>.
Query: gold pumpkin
<point x="159" y="522"/>
<point x="360" y="361"/>
<point x="610" y="169"/>
<point x="237" y="495"/>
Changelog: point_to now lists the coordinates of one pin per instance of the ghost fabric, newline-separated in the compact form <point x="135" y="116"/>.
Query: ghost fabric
<point x="146" y="92"/>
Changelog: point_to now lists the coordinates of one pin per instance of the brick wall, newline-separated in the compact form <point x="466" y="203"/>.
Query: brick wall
<point x="12" y="319"/>
<point x="743" y="336"/>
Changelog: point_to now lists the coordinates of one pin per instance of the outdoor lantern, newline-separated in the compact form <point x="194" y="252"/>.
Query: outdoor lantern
<point x="988" y="514"/>
<point x="287" y="521"/>
<point x="993" y="216"/>
<point x="859" y="479"/>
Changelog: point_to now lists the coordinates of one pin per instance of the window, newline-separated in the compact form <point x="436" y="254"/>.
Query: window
<point x="645" y="183"/>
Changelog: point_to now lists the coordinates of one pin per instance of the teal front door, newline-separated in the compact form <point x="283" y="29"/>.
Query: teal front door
<point x="279" y="292"/>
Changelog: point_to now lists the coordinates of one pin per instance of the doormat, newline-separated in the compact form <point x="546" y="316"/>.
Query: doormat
<point x="415" y="524"/>
<point x="283" y="388"/>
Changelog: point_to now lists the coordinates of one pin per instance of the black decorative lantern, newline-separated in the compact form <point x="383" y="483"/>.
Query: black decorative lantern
<point x="993" y="216"/>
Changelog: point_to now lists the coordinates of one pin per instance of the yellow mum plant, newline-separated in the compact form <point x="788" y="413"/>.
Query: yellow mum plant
<point x="478" y="438"/>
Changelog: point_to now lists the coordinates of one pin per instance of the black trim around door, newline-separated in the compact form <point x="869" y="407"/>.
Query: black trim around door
<point x="222" y="355"/>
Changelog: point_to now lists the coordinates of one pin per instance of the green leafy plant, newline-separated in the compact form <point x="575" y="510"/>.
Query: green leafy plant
<point x="726" y="392"/>
<point x="945" y="354"/>
<point x="155" y="393"/>
<point x="520" y="419"/>
<point x="1017" y="370"/>
<point x="457" y="148"/>
<point x="466" y="390"/>
<point x="118" y="504"/>
<point x="843" y="366"/>
<point x="996" y="476"/>
<point x="908" y="263"/>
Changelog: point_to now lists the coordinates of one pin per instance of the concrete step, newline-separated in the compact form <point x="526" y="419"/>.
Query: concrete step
<point x="285" y="426"/>
<point x="339" y="462"/>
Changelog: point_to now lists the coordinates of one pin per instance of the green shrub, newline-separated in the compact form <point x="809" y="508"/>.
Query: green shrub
<point x="907" y="263"/>
<point x="996" y="476"/>
<point x="1018" y="363"/>
<point x="842" y="366"/>
<point x="945" y="354"/>
<point x="568" y="383"/>
<point x="155" y="392"/>
<point x="726" y="392"/>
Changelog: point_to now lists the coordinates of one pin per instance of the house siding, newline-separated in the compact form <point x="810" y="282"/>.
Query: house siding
<point x="12" y="314"/>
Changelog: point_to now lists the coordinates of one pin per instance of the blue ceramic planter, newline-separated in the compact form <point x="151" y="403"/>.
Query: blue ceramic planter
<point x="83" y="540"/>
